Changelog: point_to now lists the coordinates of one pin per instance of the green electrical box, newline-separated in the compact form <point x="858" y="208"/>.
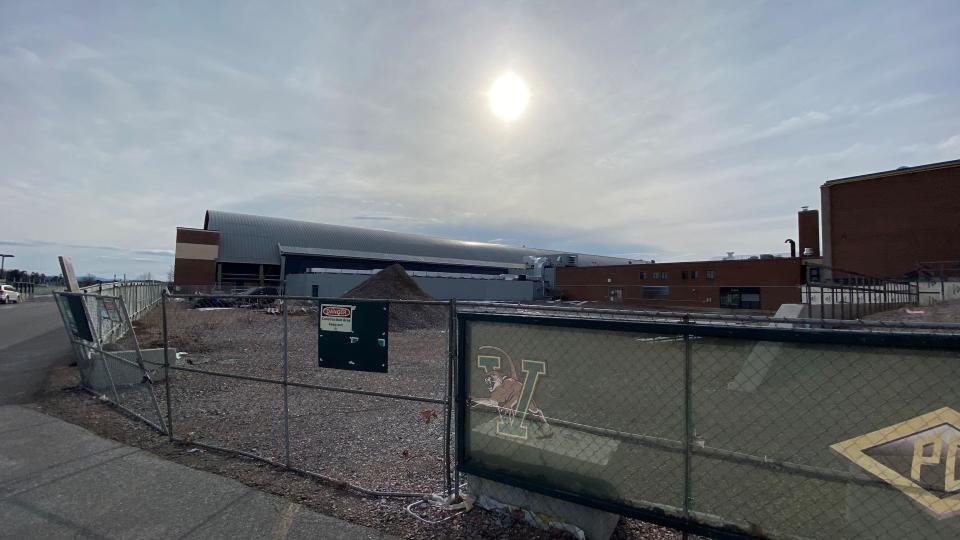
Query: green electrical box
<point x="353" y="335"/>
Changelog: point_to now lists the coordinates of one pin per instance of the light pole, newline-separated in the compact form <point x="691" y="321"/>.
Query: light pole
<point x="3" y="259"/>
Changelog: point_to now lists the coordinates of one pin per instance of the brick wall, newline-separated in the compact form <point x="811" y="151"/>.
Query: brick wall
<point x="196" y="257"/>
<point x="779" y="282"/>
<point x="885" y="226"/>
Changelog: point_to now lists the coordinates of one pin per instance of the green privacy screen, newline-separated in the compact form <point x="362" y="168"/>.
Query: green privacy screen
<point x="76" y="315"/>
<point x="721" y="430"/>
<point x="353" y="335"/>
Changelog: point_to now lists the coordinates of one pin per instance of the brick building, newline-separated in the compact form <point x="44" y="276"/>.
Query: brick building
<point x="755" y="284"/>
<point x="888" y="223"/>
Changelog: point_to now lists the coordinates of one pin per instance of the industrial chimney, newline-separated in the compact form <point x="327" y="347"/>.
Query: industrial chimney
<point x="808" y="225"/>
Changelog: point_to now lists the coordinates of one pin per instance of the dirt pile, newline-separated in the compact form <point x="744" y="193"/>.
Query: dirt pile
<point x="393" y="283"/>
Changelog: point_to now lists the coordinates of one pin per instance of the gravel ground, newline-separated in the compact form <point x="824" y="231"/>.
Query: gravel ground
<point x="378" y="443"/>
<point x="947" y="312"/>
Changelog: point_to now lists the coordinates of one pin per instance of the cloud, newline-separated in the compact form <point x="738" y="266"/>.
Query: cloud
<point x="951" y="145"/>
<point x="650" y="130"/>
<point x="901" y="103"/>
<point x="42" y="243"/>
<point x="852" y="151"/>
<point x="942" y="150"/>
<point x="879" y="107"/>
<point x="26" y="56"/>
<point x="796" y="123"/>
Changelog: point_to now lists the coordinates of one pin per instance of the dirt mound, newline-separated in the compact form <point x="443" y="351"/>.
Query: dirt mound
<point x="393" y="283"/>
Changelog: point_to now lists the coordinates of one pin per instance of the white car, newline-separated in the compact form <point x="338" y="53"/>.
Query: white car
<point x="8" y="294"/>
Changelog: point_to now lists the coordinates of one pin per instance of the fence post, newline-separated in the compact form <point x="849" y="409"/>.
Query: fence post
<point x="451" y="362"/>
<point x="687" y="420"/>
<point x="103" y="359"/>
<point x="821" y="306"/>
<point x="856" y="299"/>
<point x="166" y="363"/>
<point x="286" y="392"/>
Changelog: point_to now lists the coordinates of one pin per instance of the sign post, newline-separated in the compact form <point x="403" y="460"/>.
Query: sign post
<point x="69" y="275"/>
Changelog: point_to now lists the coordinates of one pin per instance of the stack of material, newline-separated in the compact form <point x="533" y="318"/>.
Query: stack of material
<point x="393" y="283"/>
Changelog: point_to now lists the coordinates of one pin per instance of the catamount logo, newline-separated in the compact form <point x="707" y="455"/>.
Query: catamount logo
<point x="511" y="398"/>
<point x="917" y="456"/>
<point x="336" y="311"/>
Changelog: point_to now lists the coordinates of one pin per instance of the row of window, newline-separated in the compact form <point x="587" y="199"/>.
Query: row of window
<point x="730" y="297"/>
<point x="686" y="274"/>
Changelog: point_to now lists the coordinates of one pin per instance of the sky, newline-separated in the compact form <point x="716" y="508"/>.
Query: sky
<point x="655" y="130"/>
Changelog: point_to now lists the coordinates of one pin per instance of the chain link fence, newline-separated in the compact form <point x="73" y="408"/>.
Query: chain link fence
<point x="718" y="424"/>
<point x="806" y="429"/>
<point x="245" y="378"/>
<point x="111" y="363"/>
<point x="138" y="296"/>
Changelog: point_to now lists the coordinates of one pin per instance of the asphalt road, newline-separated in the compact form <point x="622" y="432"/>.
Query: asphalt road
<point x="32" y="342"/>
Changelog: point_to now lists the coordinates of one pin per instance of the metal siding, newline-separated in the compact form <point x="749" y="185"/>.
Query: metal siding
<point x="335" y="285"/>
<point x="255" y="239"/>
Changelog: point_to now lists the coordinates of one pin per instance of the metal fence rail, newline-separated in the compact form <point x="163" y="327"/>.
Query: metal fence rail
<point x="857" y="298"/>
<point x="138" y="298"/>
<point x="703" y="318"/>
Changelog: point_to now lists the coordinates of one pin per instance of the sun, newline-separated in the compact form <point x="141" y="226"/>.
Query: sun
<point x="508" y="97"/>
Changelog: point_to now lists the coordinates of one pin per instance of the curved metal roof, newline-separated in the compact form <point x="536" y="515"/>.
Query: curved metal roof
<point x="245" y="238"/>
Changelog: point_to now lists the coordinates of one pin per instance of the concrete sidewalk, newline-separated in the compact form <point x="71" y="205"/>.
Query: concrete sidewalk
<point x="58" y="480"/>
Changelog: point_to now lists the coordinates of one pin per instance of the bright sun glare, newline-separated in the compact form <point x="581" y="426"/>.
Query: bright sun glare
<point x="508" y="97"/>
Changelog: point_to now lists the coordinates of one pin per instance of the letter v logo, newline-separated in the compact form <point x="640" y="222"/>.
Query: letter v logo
<point x="515" y="425"/>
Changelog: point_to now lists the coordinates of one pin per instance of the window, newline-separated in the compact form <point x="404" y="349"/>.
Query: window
<point x="643" y="275"/>
<point x="711" y="274"/>
<point x="684" y="274"/>
<point x="740" y="298"/>
<point x="659" y="275"/>
<point x="315" y="291"/>
<point x="695" y="274"/>
<point x="656" y="292"/>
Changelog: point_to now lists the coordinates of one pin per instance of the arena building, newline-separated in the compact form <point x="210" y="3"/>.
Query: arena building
<point x="235" y="251"/>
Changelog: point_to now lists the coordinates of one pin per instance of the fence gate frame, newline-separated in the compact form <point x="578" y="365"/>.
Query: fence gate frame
<point x="90" y="352"/>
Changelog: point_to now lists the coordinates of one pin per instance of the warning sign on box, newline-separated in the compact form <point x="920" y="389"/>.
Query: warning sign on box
<point x="336" y="318"/>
